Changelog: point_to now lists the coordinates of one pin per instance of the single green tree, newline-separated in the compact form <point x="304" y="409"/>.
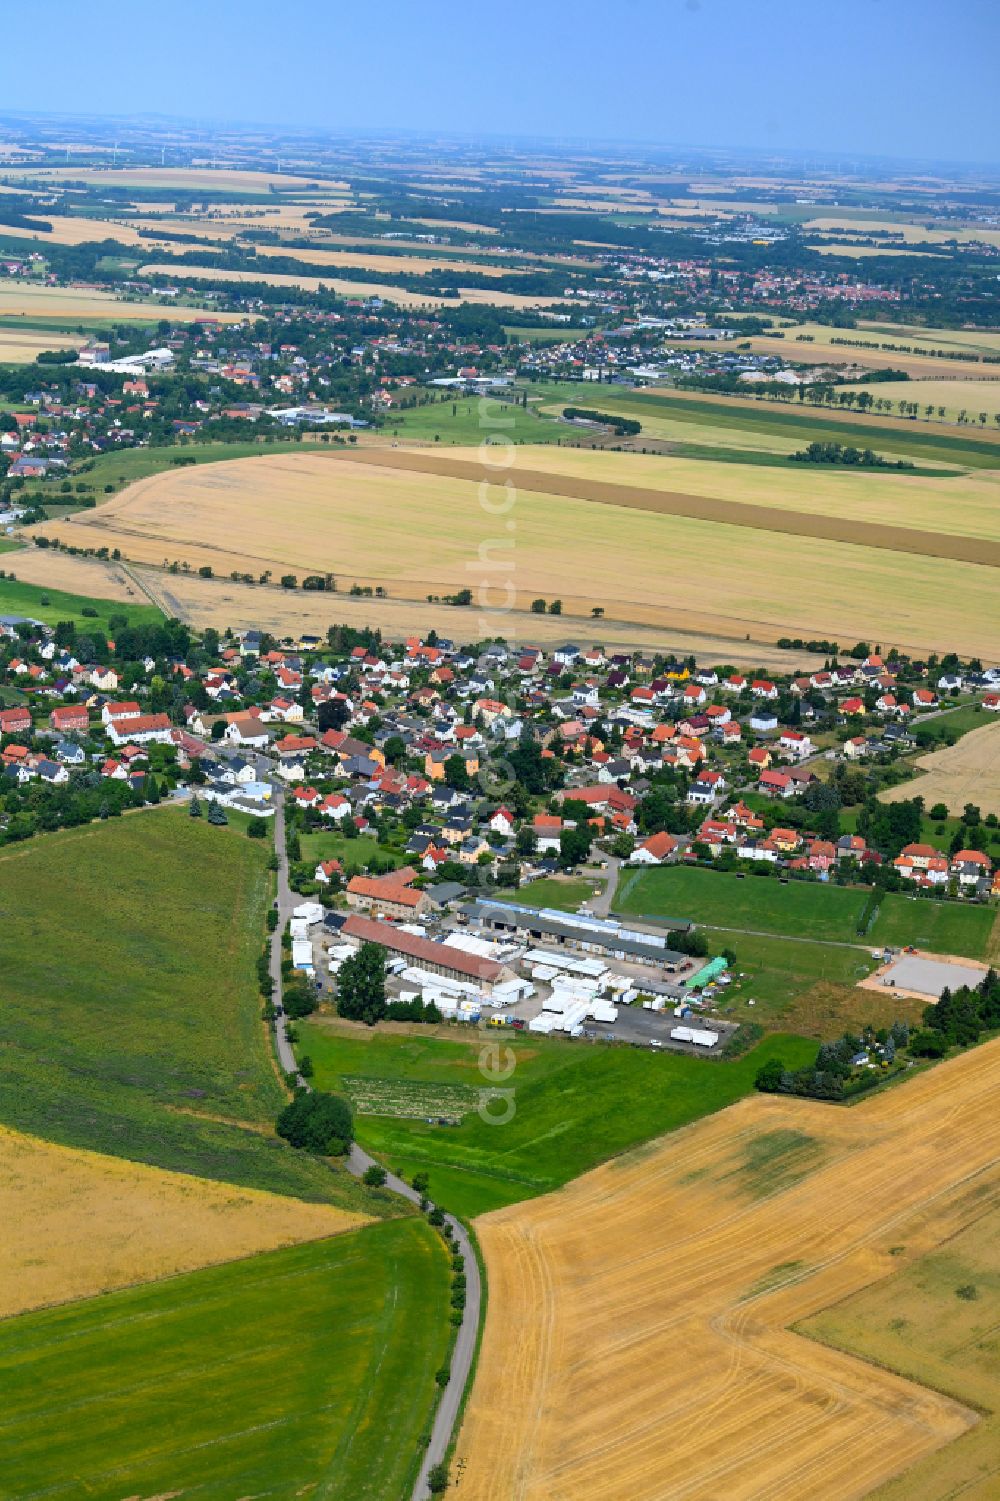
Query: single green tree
<point x="361" y="985"/>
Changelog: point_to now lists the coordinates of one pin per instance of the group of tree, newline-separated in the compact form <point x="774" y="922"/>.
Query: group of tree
<point x="959" y="1018"/>
<point x="317" y="1122"/>
<point x="846" y="454"/>
<point x="832" y="1075"/>
<point x="40" y="807"/>
<point x="622" y="427"/>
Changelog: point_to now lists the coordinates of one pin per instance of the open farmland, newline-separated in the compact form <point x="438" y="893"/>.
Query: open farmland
<point x="131" y="1016"/>
<point x="70" y="229"/>
<point x="352" y="289"/>
<point x="714" y="1242"/>
<point x="89" y="585"/>
<point x="862" y="224"/>
<point x="66" y="304"/>
<point x="954" y="396"/>
<point x="935" y="1321"/>
<point x="184" y="179"/>
<point x="596" y="529"/>
<point x="821" y="350"/>
<point x="77" y="1224"/>
<point x="20" y="346"/>
<point x="707" y="426"/>
<point x="381" y="265"/>
<point x="967" y="772"/>
<point x="307" y="1371"/>
<point x="831" y="247"/>
<point x="575" y="1104"/>
<point x="221" y="603"/>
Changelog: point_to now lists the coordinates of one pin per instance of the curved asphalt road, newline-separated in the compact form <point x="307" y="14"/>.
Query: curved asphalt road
<point x="446" y="1415"/>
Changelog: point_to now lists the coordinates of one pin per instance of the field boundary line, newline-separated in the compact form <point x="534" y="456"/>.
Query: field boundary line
<point x="898" y="539"/>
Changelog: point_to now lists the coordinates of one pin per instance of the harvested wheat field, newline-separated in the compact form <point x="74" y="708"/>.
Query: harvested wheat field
<point x="967" y="772"/>
<point x="955" y="396"/>
<point x="84" y="576"/>
<point x="399" y="295"/>
<point x="412" y="522"/>
<point x="68" y="230"/>
<point x="381" y="265"/>
<point x="22" y="299"/>
<point x="221" y="603"/>
<point x="823" y="351"/>
<point x="639" y="1343"/>
<point x="19" y="346"/>
<point x="77" y="1223"/>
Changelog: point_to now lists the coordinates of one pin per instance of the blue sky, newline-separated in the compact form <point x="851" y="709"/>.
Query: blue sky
<point x="908" y="78"/>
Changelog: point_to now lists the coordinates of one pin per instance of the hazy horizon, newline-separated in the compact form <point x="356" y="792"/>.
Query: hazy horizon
<point x="875" y="79"/>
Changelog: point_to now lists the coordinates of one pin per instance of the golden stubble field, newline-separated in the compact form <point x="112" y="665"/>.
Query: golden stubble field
<point x="20" y="346"/>
<point x="639" y="1343"/>
<point x="222" y="603"/>
<point x="77" y="1223"/>
<point x="966" y="772"/>
<point x="34" y="301"/>
<point x="344" y="288"/>
<point x="415" y="523"/>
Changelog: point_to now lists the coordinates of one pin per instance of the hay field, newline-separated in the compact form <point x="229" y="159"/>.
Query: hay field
<point x="221" y="603"/>
<point x="959" y="504"/>
<point x="84" y="576"/>
<point x="399" y="265"/>
<point x="925" y="1324"/>
<point x="909" y="232"/>
<point x="822" y="351"/>
<point x="967" y="772"/>
<point x="25" y="299"/>
<point x="970" y="396"/>
<point x="68" y="230"/>
<point x="638" y="1342"/>
<point x="351" y="289"/>
<point x="19" y="346"/>
<point x="301" y="513"/>
<point x="77" y="1223"/>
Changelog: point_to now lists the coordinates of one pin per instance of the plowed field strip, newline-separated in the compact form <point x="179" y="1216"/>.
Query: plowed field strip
<point x="700" y="508"/>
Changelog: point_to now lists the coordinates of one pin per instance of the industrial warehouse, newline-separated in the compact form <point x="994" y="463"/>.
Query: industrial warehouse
<point x="547" y="972"/>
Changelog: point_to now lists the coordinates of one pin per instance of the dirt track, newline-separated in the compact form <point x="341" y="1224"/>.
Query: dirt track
<point x="638" y="1344"/>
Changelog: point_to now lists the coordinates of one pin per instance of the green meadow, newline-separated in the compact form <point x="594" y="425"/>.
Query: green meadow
<point x="721" y="899"/>
<point x="131" y="1018"/>
<point x="307" y="1371"/>
<point x="53" y="605"/>
<point x="570" y="1105"/>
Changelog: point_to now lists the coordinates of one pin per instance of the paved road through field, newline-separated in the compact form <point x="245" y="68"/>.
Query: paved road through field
<point x="465" y="1344"/>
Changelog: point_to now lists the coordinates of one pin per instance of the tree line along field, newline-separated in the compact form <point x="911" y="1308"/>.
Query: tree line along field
<point x="131" y="1018"/>
<point x="720" y="1241"/>
<point x="307" y="1370"/>
<point x="804" y="909"/>
<point x="595" y="529"/>
<point x="741" y="423"/>
<point x="574" y="1105"/>
<point x="288" y="613"/>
